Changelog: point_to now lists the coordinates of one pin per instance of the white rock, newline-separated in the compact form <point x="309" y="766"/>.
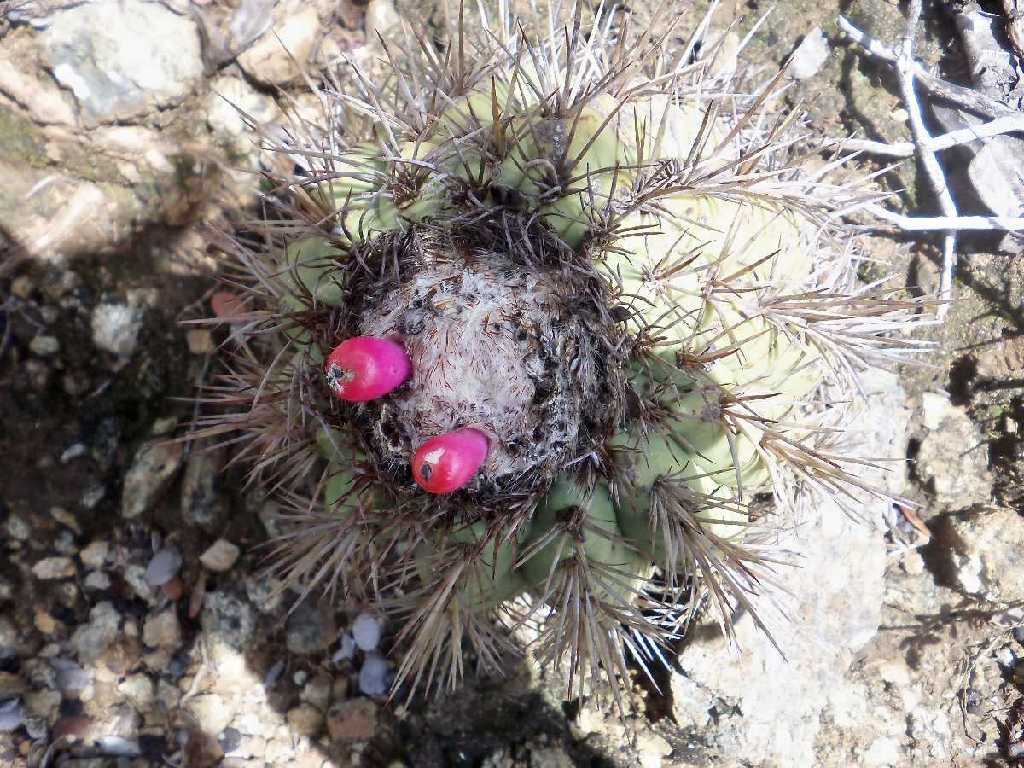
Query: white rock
<point x="279" y="54"/>
<point x="115" y="328"/>
<point x="884" y="750"/>
<point x="220" y="556"/>
<point x="54" y="568"/>
<point x="44" y="346"/>
<point x="752" y="706"/>
<point x="953" y="459"/>
<point x="153" y="466"/>
<point x="162" y="630"/>
<point x="381" y="19"/>
<point x="120" y="58"/>
<point x="809" y="56"/>
<point x="91" y="640"/>
<point x="366" y="631"/>
<point x="95" y="555"/>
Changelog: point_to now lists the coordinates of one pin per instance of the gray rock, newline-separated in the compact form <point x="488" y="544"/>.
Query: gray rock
<point x="751" y="705"/>
<point x="201" y="503"/>
<point x="310" y="628"/>
<point x="12" y="715"/>
<point x="983" y="553"/>
<point x="953" y="459"/>
<point x="91" y="640"/>
<point x="115" y="328"/>
<point x="163" y="566"/>
<point x="121" y="58"/>
<point x="71" y="678"/>
<point x="152" y="469"/>
<point x="366" y="631"/>
<point x="229" y="619"/>
<point x="375" y="675"/>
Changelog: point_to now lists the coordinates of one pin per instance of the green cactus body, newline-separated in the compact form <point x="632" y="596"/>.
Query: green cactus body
<point x="602" y="273"/>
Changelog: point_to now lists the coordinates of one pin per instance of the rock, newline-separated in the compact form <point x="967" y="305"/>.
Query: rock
<point x="54" y="568"/>
<point x="278" y="56"/>
<point x="11" y="685"/>
<point x="213" y="711"/>
<point x="91" y="640"/>
<point x="651" y="748"/>
<point x="382" y="20"/>
<point x="135" y="577"/>
<point x="115" y="328"/>
<point x="366" y="631"/>
<point x="152" y="469"/>
<point x="139" y="690"/>
<point x="346" y="648"/>
<point x="353" y="720"/>
<point x="220" y="556"/>
<point x="18" y="528"/>
<point x="375" y="676"/>
<point x="12" y="715"/>
<point x="318" y="691"/>
<point x="71" y="678"/>
<point x="122" y="58"/>
<point x="755" y="706"/>
<point x="44" y="346"/>
<point x="201" y="503"/>
<point x="163" y="566"/>
<point x="200" y="341"/>
<point x="310" y="628"/>
<point x="306" y="720"/>
<point x="229" y="98"/>
<point x="810" y="56"/>
<point x="952" y="459"/>
<point x="228" y="619"/>
<point x="162" y="630"/>
<point x="983" y="553"/>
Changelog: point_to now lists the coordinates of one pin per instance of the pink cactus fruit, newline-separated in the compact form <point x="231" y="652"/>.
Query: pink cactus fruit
<point x="364" y="368"/>
<point x="448" y="462"/>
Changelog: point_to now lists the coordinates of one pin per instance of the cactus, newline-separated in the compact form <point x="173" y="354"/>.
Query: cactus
<point x="585" y="295"/>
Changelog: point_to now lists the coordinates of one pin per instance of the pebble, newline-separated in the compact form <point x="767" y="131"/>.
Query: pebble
<point x="91" y="640"/>
<point x="115" y="328"/>
<point x="353" y="720"/>
<point x="200" y="341"/>
<point x="44" y="346"/>
<point x="70" y="677"/>
<point x="229" y="619"/>
<point x="651" y="748"/>
<point x="152" y="469"/>
<point x="12" y="715"/>
<point x="306" y="720"/>
<point x="97" y="581"/>
<point x="135" y="577"/>
<point x="11" y="685"/>
<point x="309" y="629"/>
<point x="74" y="451"/>
<point x="50" y="568"/>
<point x="346" y="649"/>
<point x="139" y="690"/>
<point x="366" y="631"/>
<point x="220" y="557"/>
<point x="22" y="287"/>
<point x="280" y="53"/>
<point x="18" y="528"/>
<point x="162" y="630"/>
<point x="318" y="691"/>
<point x="95" y="555"/>
<point x="375" y="676"/>
<point x="163" y="566"/>
<point x="213" y="711"/>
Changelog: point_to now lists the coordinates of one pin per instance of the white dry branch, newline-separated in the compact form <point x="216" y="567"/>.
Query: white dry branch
<point x="922" y="144"/>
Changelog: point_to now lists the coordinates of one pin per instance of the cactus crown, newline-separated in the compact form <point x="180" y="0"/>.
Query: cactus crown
<point x="607" y="260"/>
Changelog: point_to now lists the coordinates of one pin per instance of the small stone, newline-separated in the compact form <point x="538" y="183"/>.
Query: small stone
<point x="952" y="459"/>
<point x="11" y="685"/>
<point x="220" y="557"/>
<point x="74" y="451"/>
<point x="366" y="631"/>
<point x="152" y="469"/>
<point x="381" y="20"/>
<point x="70" y="677"/>
<point x="353" y="720"/>
<point x="213" y="711"/>
<point x="43" y="704"/>
<point x="95" y="554"/>
<point x="310" y="628"/>
<point x="809" y="56"/>
<point x="162" y="630"/>
<point x="44" y="346"/>
<point x="200" y="341"/>
<point x="318" y="691"/>
<point x="265" y="593"/>
<point x="346" y="648"/>
<point x="229" y="619"/>
<point x="139" y="690"/>
<point x="54" y="568"/>
<point x="306" y="720"/>
<point x="163" y="566"/>
<point x="201" y="504"/>
<point x="135" y="577"/>
<point x="278" y="55"/>
<point x="115" y="328"/>
<point x="44" y="622"/>
<point x="375" y="676"/>
<point x="651" y="748"/>
<point x="91" y="640"/>
<point x="984" y="553"/>
<point x="22" y="287"/>
<point x="18" y="528"/>
<point x="64" y="517"/>
<point x="12" y="715"/>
